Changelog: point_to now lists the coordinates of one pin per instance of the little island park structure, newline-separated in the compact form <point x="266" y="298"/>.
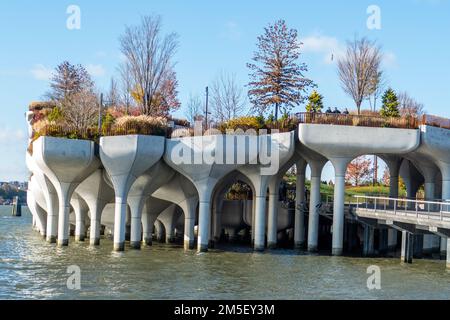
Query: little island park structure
<point x="139" y="185"/>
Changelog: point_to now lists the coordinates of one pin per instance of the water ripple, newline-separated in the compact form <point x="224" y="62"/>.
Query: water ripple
<point x="30" y="268"/>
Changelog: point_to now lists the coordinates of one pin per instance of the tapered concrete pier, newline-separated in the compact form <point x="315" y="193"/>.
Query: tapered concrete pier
<point x="126" y="158"/>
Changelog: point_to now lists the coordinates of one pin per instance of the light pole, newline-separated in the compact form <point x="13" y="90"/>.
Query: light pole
<point x="100" y="111"/>
<point x="206" y="111"/>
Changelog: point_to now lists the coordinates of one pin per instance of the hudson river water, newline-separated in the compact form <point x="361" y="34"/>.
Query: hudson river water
<point x="33" y="269"/>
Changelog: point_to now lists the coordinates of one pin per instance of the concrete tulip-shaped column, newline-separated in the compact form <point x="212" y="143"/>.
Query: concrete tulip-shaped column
<point x="146" y="184"/>
<point x="126" y="158"/>
<point x="80" y="209"/>
<point x="66" y="163"/>
<point x="272" y="217"/>
<point x="436" y="145"/>
<point x="204" y="160"/>
<point x="412" y="178"/>
<point x="159" y="231"/>
<point x="96" y="192"/>
<point x="180" y="191"/>
<point x="316" y="163"/>
<point x="281" y="146"/>
<point x="169" y="218"/>
<point x="217" y="215"/>
<point x="299" y="227"/>
<point x="393" y="163"/>
<point x="36" y="203"/>
<point x="260" y="184"/>
<point x="344" y="143"/>
<point x="51" y="199"/>
<point x="152" y="209"/>
<point x="340" y="168"/>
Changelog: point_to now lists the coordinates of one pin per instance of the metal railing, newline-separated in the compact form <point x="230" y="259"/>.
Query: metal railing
<point x="408" y="122"/>
<point x="405" y="207"/>
<point x="92" y="133"/>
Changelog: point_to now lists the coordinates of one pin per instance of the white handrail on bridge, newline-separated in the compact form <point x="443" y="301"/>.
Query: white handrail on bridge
<point x="410" y="205"/>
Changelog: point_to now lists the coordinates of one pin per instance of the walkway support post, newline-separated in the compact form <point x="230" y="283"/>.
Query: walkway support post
<point x="299" y="227"/>
<point x="314" y="205"/>
<point x="407" y="247"/>
<point x="340" y="168"/>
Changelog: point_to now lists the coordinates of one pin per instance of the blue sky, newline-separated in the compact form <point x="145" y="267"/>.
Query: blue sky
<point x="214" y="37"/>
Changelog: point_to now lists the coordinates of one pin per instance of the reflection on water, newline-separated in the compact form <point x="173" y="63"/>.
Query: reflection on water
<point x="30" y="268"/>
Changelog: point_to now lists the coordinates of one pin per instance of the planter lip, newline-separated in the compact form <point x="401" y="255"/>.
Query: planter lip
<point x="290" y="132"/>
<point x="48" y="137"/>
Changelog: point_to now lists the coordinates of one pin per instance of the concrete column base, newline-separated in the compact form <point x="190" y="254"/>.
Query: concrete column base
<point x="63" y="243"/>
<point x="148" y="242"/>
<point x="170" y="240"/>
<point x="51" y="239"/>
<point x="258" y="248"/>
<point x="272" y="245"/>
<point x="80" y="238"/>
<point x="337" y="251"/>
<point x="119" y="246"/>
<point x="300" y="245"/>
<point x="135" y="245"/>
<point x="95" y="242"/>
<point x="392" y="248"/>
<point x="189" y="245"/>
<point x="313" y="249"/>
<point x="202" y="248"/>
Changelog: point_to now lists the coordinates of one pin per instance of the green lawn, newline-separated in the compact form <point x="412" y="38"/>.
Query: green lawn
<point x="350" y="191"/>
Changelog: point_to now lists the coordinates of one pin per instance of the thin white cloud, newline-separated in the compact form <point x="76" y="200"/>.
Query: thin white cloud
<point x="232" y="31"/>
<point x="41" y="72"/>
<point x="96" y="70"/>
<point x="329" y="47"/>
<point x="11" y="136"/>
<point x="390" y="60"/>
<point x="13" y="143"/>
<point x="100" y="54"/>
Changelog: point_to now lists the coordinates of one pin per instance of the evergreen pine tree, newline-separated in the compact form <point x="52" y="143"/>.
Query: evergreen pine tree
<point x="390" y="104"/>
<point x="315" y="103"/>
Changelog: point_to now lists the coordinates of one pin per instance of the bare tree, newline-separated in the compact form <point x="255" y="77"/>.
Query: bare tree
<point x="126" y="86"/>
<point x="227" y="98"/>
<point x="358" y="68"/>
<point x="193" y="108"/>
<point x="149" y="58"/>
<point x="408" y="106"/>
<point x="81" y="111"/>
<point x="376" y="88"/>
<point x="113" y="96"/>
